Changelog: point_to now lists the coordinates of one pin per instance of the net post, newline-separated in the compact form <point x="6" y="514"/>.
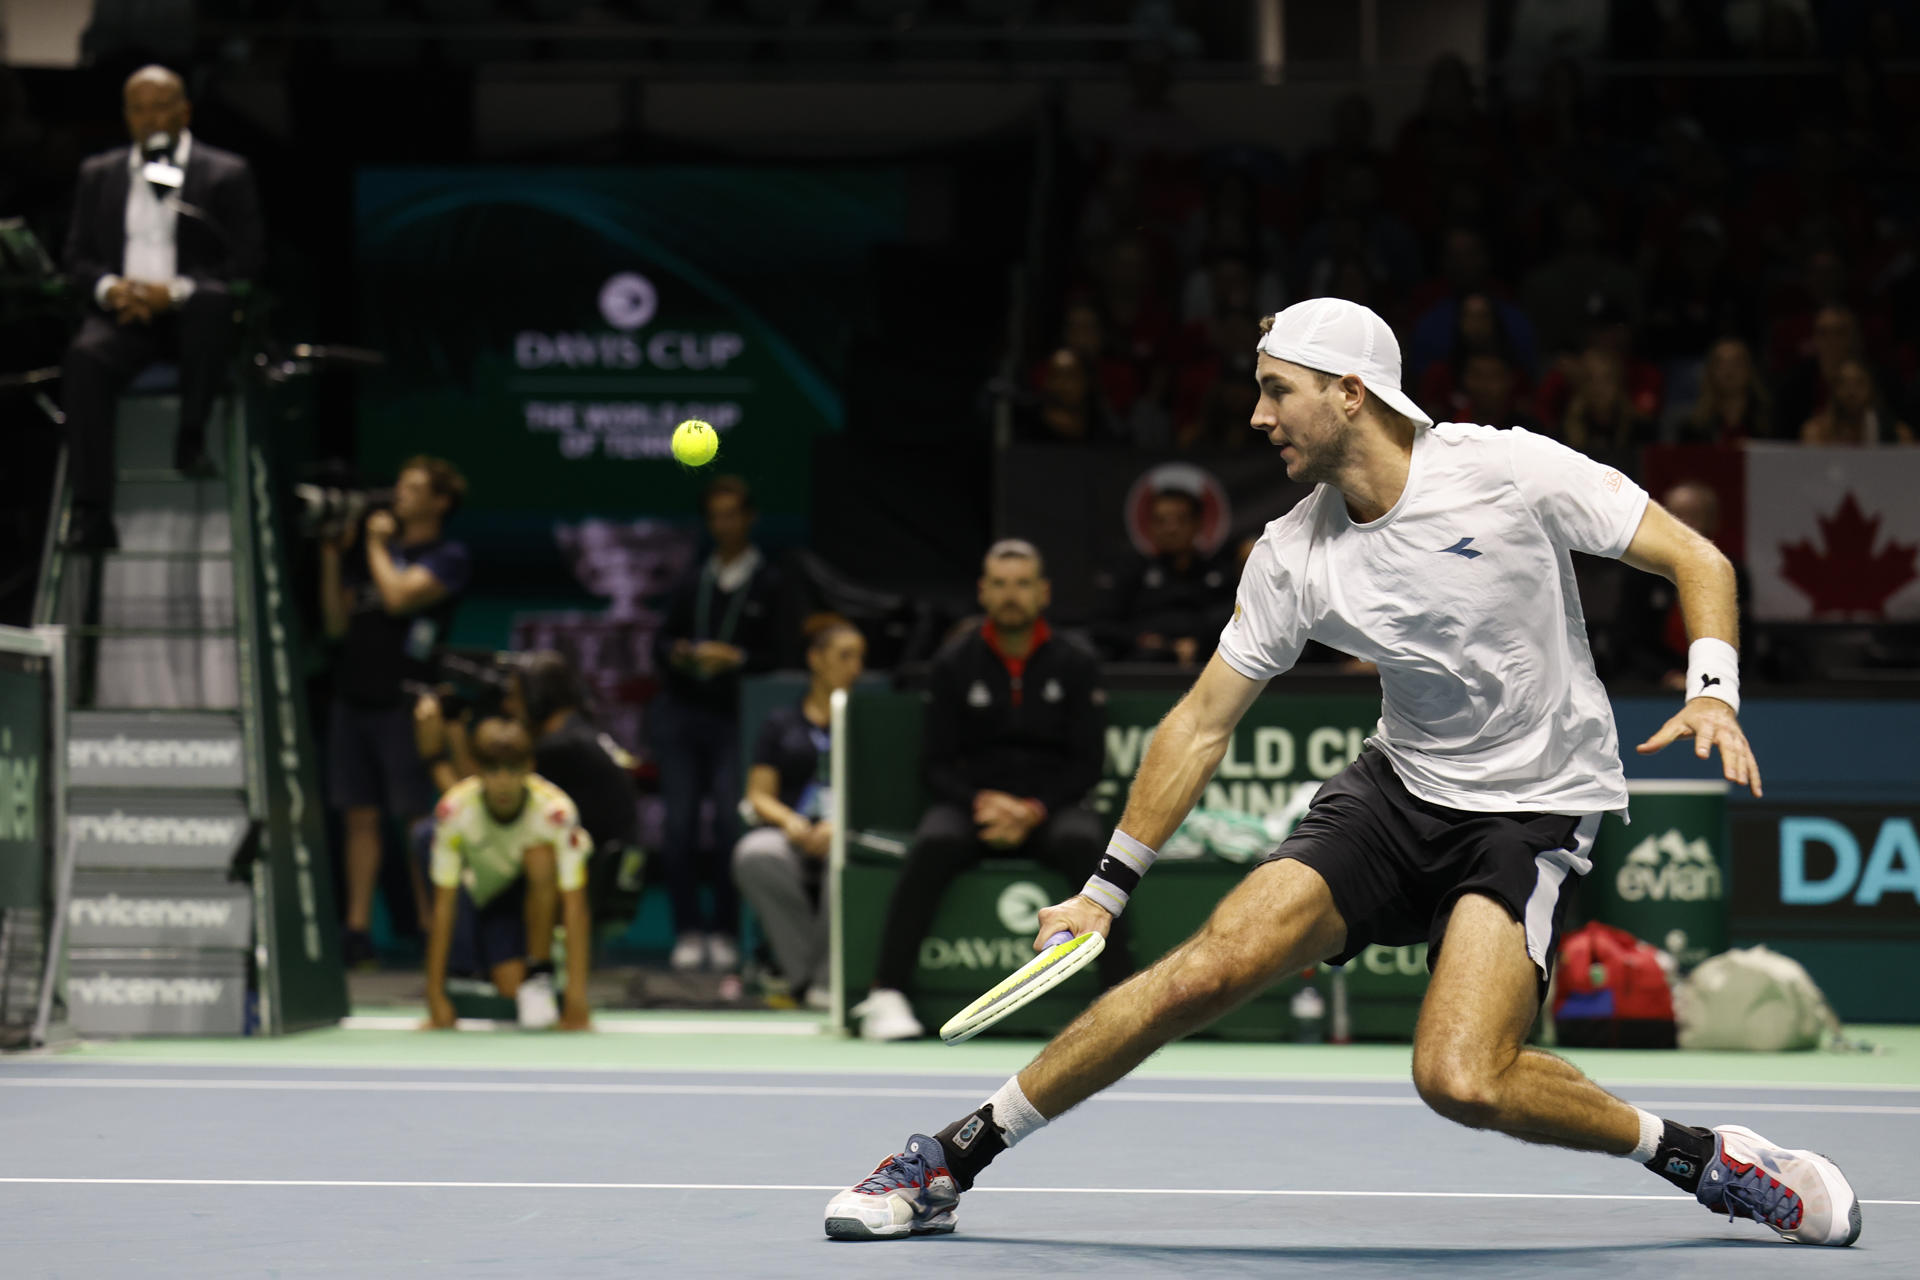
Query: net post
<point x="837" y="862"/>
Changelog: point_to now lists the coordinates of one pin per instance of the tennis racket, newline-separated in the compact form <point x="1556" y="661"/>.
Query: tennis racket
<point x="1065" y="955"/>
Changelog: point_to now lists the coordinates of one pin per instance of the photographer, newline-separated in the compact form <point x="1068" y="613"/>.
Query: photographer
<point x="389" y="609"/>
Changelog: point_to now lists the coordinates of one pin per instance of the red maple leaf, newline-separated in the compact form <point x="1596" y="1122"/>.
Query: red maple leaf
<point x="1848" y="576"/>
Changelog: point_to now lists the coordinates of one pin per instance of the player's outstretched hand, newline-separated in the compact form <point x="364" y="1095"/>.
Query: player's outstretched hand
<point x="1077" y="915"/>
<point x="1710" y="723"/>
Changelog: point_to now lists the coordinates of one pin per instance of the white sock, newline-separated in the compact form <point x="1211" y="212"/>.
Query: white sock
<point x="1014" y="1116"/>
<point x="1651" y="1127"/>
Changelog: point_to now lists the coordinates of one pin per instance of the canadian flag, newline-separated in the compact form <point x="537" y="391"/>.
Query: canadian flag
<point x="1833" y="535"/>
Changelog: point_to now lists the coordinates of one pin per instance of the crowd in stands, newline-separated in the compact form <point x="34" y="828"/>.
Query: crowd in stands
<point x="1721" y="271"/>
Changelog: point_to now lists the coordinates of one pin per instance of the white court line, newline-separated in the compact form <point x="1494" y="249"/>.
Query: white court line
<point x="614" y="1026"/>
<point x="878" y="1066"/>
<point x="795" y="1186"/>
<point x="857" y="1092"/>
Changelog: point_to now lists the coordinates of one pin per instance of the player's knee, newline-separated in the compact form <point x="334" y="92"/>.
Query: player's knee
<point x="1458" y="1086"/>
<point x="1198" y="981"/>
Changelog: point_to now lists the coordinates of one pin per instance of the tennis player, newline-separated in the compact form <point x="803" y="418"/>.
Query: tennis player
<point x="1441" y="554"/>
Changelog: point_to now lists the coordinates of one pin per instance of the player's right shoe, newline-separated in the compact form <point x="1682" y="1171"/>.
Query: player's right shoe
<point x="535" y="1004"/>
<point x="910" y="1194"/>
<point x="1801" y="1195"/>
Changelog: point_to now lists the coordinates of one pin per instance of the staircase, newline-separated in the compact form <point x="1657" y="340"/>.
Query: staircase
<point x="190" y="846"/>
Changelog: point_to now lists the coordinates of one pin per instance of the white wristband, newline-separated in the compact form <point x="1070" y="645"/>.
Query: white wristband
<point x="1119" y="872"/>
<point x="1713" y="671"/>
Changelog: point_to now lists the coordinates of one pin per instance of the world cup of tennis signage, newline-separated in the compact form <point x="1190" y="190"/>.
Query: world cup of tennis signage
<point x="549" y="330"/>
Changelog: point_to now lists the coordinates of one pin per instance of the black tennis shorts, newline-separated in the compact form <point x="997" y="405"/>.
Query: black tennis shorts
<point x="1396" y="863"/>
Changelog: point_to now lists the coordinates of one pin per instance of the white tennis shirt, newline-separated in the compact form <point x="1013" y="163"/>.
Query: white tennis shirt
<point x="1464" y="596"/>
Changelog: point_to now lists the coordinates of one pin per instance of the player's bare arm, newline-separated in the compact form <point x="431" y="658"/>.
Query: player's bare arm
<point x="1185" y="750"/>
<point x="1705" y="581"/>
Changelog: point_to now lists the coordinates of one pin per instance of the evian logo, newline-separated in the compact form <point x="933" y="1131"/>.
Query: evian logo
<point x="1669" y="868"/>
<point x="116" y="912"/>
<point x="628" y="300"/>
<point x="107" y="989"/>
<point x="124" y="828"/>
<point x="122" y="752"/>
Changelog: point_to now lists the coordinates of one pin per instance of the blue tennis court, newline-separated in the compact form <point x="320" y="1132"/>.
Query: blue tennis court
<point x="704" y="1155"/>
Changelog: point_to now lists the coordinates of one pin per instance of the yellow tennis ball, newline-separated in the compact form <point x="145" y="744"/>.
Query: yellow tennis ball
<point x="695" y="442"/>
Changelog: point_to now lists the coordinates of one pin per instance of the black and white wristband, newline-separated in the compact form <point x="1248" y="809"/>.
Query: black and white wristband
<point x="1713" y="671"/>
<point x="1119" y="872"/>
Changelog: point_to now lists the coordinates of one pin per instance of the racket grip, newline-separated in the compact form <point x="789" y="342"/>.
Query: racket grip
<point x="1060" y="937"/>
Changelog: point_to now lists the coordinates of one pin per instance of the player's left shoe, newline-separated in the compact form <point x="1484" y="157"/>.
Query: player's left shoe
<point x="1801" y="1195"/>
<point x="910" y="1194"/>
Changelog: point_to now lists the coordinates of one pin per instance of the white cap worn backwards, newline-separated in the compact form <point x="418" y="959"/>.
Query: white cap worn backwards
<point x="1332" y="335"/>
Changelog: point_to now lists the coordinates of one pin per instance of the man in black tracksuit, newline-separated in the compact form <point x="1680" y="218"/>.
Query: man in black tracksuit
<point x="1014" y="722"/>
<point x="723" y="623"/>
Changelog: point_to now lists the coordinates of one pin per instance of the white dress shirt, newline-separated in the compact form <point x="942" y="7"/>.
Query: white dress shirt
<point x="152" y="231"/>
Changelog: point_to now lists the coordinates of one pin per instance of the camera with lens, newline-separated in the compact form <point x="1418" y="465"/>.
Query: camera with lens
<point x="466" y="685"/>
<point x="326" y="512"/>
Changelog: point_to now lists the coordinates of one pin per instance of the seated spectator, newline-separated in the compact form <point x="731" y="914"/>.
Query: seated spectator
<point x="1355" y="225"/>
<point x="1489" y="393"/>
<point x="1349" y="143"/>
<point x="780" y="865"/>
<point x="1011" y="749"/>
<point x="1609" y="331"/>
<point x="1478" y="331"/>
<point x="1083" y="331"/>
<point x="1447" y="138"/>
<point x="1228" y="280"/>
<point x="1133" y="298"/>
<point x="1803" y="388"/>
<point x="1071" y="408"/>
<point x="1822" y="282"/>
<point x="1464" y="272"/>
<point x="1649" y="641"/>
<point x="1696" y="292"/>
<point x="1853" y="413"/>
<point x="1171" y="605"/>
<point x="1226" y="413"/>
<point x="1216" y="352"/>
<point x="1734" y="405"/>
<point x="508" y="858"/>
<point x="1555" y="293"/>
<point x="1601" y="421"/>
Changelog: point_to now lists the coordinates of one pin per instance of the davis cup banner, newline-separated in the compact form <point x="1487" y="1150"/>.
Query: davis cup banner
<point x="547" y="328"/>
<point x="1833" y="535"/>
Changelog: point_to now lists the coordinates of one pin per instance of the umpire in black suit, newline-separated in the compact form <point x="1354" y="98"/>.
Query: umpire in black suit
<point x="160" y="230"/>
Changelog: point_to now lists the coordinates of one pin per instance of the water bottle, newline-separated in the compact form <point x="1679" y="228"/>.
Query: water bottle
<point x="1309" y="1009"/>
